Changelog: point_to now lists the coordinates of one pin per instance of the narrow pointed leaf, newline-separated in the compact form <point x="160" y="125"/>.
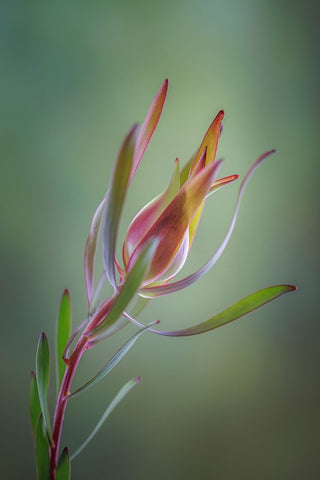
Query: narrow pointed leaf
<point x="91" y="248"/>
<point x="34" y="402"/>
<point x="210" y="142"/>
<point x="63" y="334"/>
<point x="42" y="375"/>
<point x="129" y="288"/>
<point x="174" y="221"/>
<point x="114" y="360"/>
<point x="240" y="308"/>
<point x="117" y="192"/>
<point x="42" y="451"/>
<point x="120" y="395"/>
<point x="158" y="291"/>
<point x="149" y="125"/>
<point x="64" y="467"/>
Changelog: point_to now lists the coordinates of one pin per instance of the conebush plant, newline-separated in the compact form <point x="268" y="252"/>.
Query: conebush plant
<point x="155" y="248"/>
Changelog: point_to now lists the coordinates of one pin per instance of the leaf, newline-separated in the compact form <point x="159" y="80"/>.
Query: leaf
<point x="237" y="310"/>
<point x="172" y="224"/>
<point x="91" y="248"/>
<point x="209" y="142"/>
<point x="147" y="216"/>
<point x="117" y="192"/>
<point x="42" y="375"/>
<point x="139" y="304"/>
<point x="42" y="451"/>
<point x="114" y="360"/>
<point x="158" y="291"/>
<point x="184" y="174"/>
<point x="149" y="125"/>
<point x="63" y="334"/>
<point x="72" y="336"/>
<point x="34" y="403"/>
<point x="64" y="467"/>
<point x="117" y="399"/>
<point x="129" y="288"/>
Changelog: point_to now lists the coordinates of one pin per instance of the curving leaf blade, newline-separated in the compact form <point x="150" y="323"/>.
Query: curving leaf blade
<point x="42" y="451"/>
<point x="63" y="334"/>
<point x="129" y="288"/>
<point x="117" y="192"/>
<point x="114" y="360"/>
<point x="91" y="248"/>
<point x="64" y="466"/>
<point x="34" y="403"/>
<point x="117" y="399"/>
<point x="42" y="375"/>
<point x="237" y="310"/>
<point x="149" y="125"/>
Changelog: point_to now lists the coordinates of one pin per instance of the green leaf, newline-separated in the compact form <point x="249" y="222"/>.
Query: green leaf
<point x="114" y="360"/>
<point x="242" y="307"/>
<point x="117" y="192"/>
<point x="42" y="375"/>
<point x="42" y="451"/>
<point x="117" y="399"/>
<point x="186" y="169"/>
<point x="64" y="467"/>
<point x="139" y="304"/>
<point x="34" y="402"/>
<point x="129" y="288"/>
<point x="63" y="334"/>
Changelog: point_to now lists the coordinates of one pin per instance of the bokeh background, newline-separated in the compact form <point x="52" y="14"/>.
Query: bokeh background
<point x="243" y="401"/>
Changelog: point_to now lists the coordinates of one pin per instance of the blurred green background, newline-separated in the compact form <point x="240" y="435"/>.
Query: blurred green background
<point x="238" y="403"/>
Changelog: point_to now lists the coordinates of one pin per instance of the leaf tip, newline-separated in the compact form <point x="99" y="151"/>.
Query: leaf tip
<point x="43" y="337"/>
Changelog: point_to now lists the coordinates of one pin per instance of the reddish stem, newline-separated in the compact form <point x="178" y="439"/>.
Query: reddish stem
<point x="72" y="364"/>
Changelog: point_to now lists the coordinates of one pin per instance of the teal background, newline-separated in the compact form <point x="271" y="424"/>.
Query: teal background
<point x="238" y="403"/>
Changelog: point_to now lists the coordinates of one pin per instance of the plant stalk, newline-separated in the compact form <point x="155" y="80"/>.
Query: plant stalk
<point x="71" y="366"/>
